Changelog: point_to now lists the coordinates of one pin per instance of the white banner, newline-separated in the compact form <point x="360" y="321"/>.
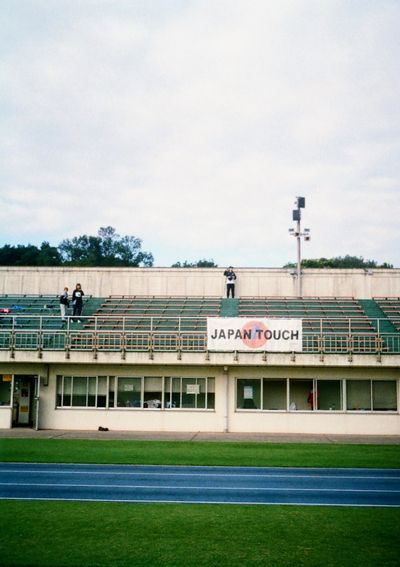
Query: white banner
<point x="239" y="333"/>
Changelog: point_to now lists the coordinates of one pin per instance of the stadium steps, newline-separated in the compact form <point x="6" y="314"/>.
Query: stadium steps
<point x="229" y="308"/>
<point x="373" y="312"/>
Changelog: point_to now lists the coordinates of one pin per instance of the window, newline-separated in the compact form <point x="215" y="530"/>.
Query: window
<point x="274" y="394"/>
<point x="358" y="395"/>
<point x="271" y="394"/>
<point x="375" y="395"/>
<point x="248" y="394"/>
<point x="301" y="395"/>
<point x="189" y="393"/>
<point x="152" y="392"/>
<point x="384" y="395"/>
<point x="5" y="389"/>
<point x="82" y="391"/>
<point x="329" y="395"/>
<point x="129" y="392"/>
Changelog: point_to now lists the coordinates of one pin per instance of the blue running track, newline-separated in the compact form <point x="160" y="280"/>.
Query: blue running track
<point x="206" y="485"/>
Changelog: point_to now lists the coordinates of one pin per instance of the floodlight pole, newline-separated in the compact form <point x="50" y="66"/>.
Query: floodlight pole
<point x="299" y="290"/>
<point x="300" y="204"/>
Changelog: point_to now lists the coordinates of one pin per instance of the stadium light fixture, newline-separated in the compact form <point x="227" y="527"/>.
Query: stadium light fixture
<point x="300" y="204"/>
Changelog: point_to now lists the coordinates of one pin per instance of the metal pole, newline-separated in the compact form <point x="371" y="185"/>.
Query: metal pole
<point x="298" y="259"/>
<point x="226" y="416"/>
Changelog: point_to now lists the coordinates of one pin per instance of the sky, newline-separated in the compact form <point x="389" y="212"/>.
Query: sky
<point x="195" y="124"/>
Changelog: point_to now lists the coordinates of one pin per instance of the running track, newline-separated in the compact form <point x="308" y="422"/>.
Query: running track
<point x="206" y="485"/>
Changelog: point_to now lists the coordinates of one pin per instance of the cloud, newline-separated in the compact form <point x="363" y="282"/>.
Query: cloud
<point x="194" y="125"/>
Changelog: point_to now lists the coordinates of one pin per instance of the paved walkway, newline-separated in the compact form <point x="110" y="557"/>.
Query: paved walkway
<point x="200" y="436"/>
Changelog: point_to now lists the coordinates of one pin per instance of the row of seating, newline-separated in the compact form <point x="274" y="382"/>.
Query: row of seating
<point x="157" y="313"/>
<point x="391" y="308"/>
<point x="167" y="314"/>
<point x="319" y="314"/>
<point x="30" y="311"/>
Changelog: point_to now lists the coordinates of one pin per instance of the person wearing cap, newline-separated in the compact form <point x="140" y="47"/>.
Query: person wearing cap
<point x="230" y="282"/>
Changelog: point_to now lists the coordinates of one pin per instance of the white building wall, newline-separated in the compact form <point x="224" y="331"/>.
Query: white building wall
<point x="5" y="418"/>
<point x="101" y="282"/>
<point x="225" y="416"/>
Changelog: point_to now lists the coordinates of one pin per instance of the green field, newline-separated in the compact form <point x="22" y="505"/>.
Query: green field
<point x="199" y="453"/>
<point x="65" y="534"/>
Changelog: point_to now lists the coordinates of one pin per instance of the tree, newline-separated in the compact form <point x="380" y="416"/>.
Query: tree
<point x="106" y="249"/>
<point x="29" y="255"/>
<point x="49" y="255"/>
<point x="346" y="262"/>
<point x="199" y="264"/>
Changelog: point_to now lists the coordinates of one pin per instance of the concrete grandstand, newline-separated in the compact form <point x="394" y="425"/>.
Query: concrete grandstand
<point x="142" y="357"/>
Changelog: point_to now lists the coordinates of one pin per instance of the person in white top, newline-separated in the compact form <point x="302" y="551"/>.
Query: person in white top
<point x="230" y="282"/>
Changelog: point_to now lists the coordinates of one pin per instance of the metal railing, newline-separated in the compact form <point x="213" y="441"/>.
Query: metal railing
<point x="170" y="334"/>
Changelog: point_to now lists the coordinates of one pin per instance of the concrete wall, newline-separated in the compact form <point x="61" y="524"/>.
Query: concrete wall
<point x="102" y="282"/>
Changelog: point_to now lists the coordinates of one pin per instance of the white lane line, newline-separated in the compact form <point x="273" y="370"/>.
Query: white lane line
<point x="238" y="503"/>
<point x="199" y="474"/>
<point x="210" y="488"/>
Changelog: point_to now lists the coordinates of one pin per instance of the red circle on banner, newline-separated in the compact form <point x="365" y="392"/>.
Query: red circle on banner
<point x="257" y="334"/>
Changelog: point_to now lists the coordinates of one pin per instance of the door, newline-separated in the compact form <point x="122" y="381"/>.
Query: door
<point x="24" y="400"/>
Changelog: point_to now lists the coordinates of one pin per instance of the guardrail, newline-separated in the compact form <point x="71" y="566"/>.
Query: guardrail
<point x="40" y="333"/>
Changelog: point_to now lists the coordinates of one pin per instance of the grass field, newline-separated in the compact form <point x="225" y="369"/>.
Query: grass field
<point x="65" y="534"/>
<point x="199" y="453"/>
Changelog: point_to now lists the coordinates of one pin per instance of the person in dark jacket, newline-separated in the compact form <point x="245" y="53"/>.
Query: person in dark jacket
<point x="77" y="302"/>
<point x="64" y="303"/>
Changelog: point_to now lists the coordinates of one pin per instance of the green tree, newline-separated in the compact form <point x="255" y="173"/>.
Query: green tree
<point x="340" y="262"/>
<point x="106" y="249"/>
<point x="49" y="255"/>
<point x="199" y="264"/>
<point x="29" y="255"/>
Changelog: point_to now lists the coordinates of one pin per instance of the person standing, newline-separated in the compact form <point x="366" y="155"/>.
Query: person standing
<point x="64" y="303"/>
<point x="77" y="301"/>
<point x="230" y="282"/>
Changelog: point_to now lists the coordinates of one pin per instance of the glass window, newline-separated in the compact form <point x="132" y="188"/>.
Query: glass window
<point x="248" y="393"/>
<point x="358" y="395"/>
<point x="172" y="397"/>
<point x="92" y="391"/>
<point x="189" y="392"/>
<point x="129" y="392"/>
<point x="82" y="391"/>
<point x="210" y="384"/>
<point x="384" y="395"/>
<point x="79" y="391"/>
<point x="274" y="394"/>
<point x="329" y="395"/>
<point x="152" y="392"/>
<point x="111" y="391"/>
<point x="195" y="393"/>
<point x="301" y="395"/>
<point x="66" y="391"/>
<point x="5" y="389"/>
<point x="102" y="392"/>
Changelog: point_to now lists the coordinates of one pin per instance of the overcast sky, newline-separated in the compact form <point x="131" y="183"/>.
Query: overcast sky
<point x="194" y="125"/>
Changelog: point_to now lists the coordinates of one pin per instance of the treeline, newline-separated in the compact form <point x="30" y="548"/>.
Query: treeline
<point x="106" y="249"/>
<point x="340" y="262"/>
<point x="109" y="249"/>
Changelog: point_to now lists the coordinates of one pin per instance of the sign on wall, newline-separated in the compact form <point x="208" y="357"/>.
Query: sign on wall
<point x="239" y="333"/>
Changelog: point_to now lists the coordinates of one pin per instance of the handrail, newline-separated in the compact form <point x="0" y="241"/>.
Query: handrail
<point x="73" y="337"/>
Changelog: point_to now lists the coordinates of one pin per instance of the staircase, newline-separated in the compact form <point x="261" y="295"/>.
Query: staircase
<point x="374" y="312"/>
<point x="229" y="308"/>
